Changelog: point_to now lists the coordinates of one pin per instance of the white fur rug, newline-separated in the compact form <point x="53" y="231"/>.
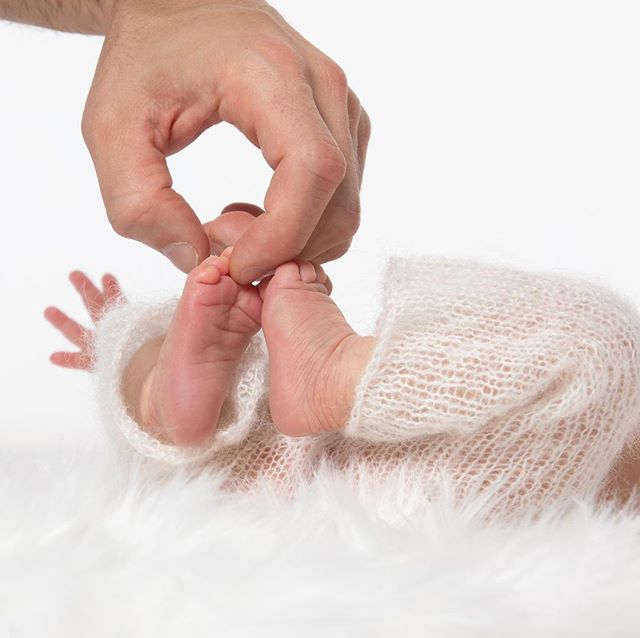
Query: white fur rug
<point x="87" y="550"/>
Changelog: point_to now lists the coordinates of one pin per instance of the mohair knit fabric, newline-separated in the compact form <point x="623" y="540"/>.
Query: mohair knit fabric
<point x="523" y="388"/>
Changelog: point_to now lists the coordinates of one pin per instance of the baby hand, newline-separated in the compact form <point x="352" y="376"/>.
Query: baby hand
<point x="96" y="301"/>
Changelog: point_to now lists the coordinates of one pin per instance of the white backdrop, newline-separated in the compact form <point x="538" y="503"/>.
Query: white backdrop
<point x="505" y="130"/>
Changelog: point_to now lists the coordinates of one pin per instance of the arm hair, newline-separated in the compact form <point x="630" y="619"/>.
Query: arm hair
<point x="75" y="16"/>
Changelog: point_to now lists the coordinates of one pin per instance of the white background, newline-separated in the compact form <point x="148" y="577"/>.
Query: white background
<point x="505" y="130"/>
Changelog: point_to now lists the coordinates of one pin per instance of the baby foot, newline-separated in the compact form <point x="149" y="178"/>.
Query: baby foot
<point x="315" y="358"/>
<point x="210" y="330"/>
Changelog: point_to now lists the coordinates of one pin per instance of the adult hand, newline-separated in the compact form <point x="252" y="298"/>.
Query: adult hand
<point x="170" y="69"/>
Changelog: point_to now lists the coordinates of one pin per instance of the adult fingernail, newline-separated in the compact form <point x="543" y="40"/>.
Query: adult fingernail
<point x="182" y="255"/>
<point x="262" y="277"/>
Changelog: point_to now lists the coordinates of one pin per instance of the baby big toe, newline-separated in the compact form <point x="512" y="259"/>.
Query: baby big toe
<point x="206" y="273"/>
<point x="288" y="273"/>
<point x="307" y="272"/>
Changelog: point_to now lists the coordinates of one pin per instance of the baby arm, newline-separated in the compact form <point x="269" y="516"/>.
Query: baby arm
<point x="97" y="302"/>
<point x="166" y="370"/>
<point x="136" y="388"/>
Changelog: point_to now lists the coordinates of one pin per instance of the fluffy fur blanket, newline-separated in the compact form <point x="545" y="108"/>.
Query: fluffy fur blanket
<point x="87" y="550"/>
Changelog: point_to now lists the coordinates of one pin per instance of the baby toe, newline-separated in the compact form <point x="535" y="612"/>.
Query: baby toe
<point x="207" y="272"/>
<point x="288" y="273"/>
<point x="321" y="275"/>
<point x="226" y="253"/>
<point x="222" y="262"/>
<point x="323" y="279"/>
<point x="307" y="272"/>
<point x="263" y="285"/>
<point x="328" y="284"/>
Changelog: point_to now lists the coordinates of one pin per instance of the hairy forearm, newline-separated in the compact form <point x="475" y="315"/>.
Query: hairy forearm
<point x="91" y="16"/>
<point x="76" y="16"/>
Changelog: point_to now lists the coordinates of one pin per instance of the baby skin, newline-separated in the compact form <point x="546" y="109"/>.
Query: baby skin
<point x="175" y="386"/>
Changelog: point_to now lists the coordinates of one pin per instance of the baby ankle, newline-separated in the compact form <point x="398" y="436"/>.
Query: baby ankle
<point x="352" y="358"/>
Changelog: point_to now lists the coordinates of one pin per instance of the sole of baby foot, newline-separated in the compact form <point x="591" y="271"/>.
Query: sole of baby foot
<point x="210" y="330"/>
<point x="315" y="357"/>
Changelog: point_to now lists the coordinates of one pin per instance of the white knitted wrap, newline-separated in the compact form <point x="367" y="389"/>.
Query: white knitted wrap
<point x="123" y="330"/>
<point x="522" y="387"/>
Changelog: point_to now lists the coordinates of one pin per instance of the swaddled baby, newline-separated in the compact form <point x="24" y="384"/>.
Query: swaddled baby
<point x="522" y="387"/>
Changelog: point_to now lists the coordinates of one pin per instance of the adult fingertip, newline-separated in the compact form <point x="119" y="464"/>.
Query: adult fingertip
<point x="251" y="274"/>
<point x="244" y="273"/>
<point x="182" y="255"/>
<point x="226" y="230"/>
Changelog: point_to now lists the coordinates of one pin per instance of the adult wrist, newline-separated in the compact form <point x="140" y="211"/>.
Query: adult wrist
<point x="112" y="9"/>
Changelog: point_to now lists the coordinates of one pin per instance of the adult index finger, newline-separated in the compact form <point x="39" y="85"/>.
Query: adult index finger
<point x="137" y="191"/>
<point x="308" y="168"/>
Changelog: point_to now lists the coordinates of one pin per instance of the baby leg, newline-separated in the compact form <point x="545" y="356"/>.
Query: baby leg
<point x="175" y="386"/>
<point x="503" y="377"/>
<point x="315" y="358"/>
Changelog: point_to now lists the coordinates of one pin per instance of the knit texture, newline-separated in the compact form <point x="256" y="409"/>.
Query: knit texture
<point x="123" y="330"/>
<point x="523" y="388"/>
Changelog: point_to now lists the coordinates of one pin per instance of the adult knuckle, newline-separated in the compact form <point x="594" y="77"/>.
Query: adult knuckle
<point x="275" y="52"/>
<point x="123" y="222"/>
<point x="336" y="76"/>
<point x="127" y="216"/>
<point x="97" y="123"/>
<point x="326" y="162"/>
